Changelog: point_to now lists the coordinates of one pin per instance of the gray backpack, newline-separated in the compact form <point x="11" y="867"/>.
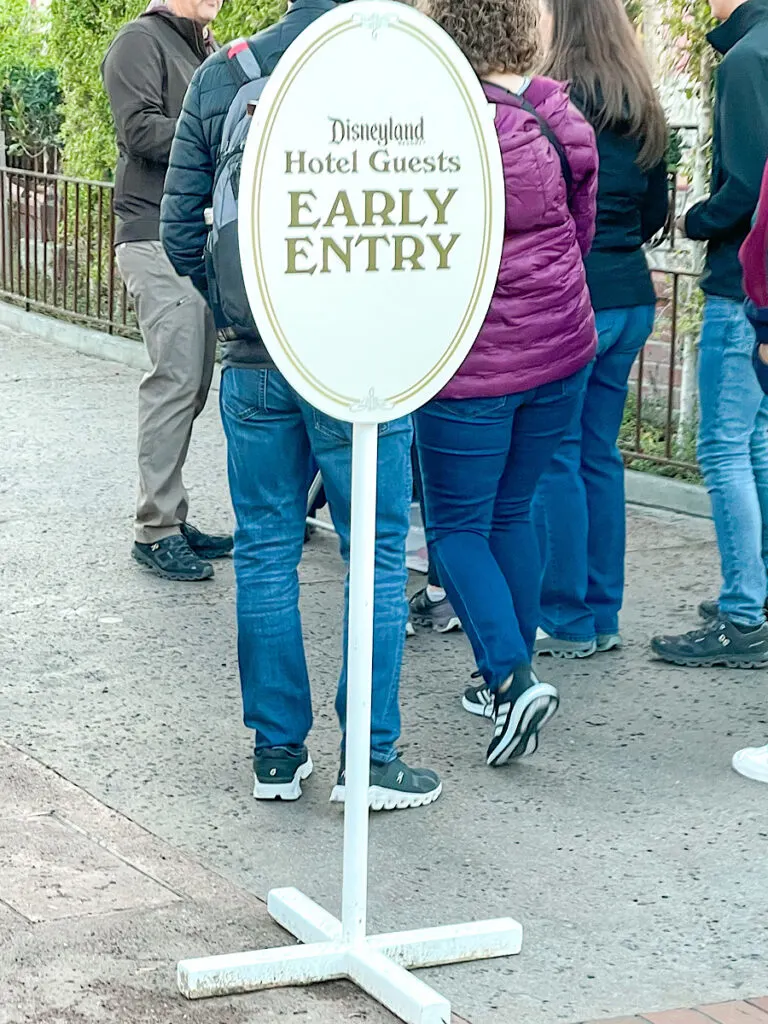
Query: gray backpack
<point x="228" y="298"/>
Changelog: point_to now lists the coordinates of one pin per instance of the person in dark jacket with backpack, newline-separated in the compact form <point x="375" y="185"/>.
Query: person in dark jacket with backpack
<point x="733" y="428"/>
<point x="593" y="46"/>
<point x="271" y="435"/>
<point x="146" y="73"/>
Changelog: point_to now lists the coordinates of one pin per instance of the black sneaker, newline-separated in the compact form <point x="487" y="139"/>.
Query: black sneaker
<point x="519" y="719"/>
<point x="279" y="772"/>
<point x="437" y="614"/>
<point x="709" y="610"/>
<point x="173" y="559"/>
<point x="478" y="700"/>
<point x="207" y="545"/>
<point x="717" y="643"/>
<point x="395" y="786"/>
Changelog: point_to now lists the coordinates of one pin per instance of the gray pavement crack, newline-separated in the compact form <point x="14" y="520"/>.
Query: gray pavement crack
<point x="103" y="803"/>
<point x="15" y="912"/>
<point x="91" y="837"/>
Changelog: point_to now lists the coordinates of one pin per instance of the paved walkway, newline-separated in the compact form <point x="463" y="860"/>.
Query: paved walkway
<point x="635" y="859"/>
<point x="742" y="1011"/>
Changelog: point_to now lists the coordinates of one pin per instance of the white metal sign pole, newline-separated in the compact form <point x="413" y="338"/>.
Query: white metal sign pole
<point x="362" y="565"/>
<point x="371" y="223"/>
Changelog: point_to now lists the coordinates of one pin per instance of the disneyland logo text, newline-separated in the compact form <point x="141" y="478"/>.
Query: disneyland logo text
<point x="381" y="132"/>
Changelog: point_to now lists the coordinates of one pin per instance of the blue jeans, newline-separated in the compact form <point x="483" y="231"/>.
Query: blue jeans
<point x="733" y="455"/>
<point x="480" y="462"/>
<point x="271" y="435"/>
<point x="579" y="505"/>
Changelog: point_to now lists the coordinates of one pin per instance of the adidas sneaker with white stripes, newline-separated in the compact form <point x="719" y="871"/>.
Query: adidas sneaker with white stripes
<point x="517" y="719"/>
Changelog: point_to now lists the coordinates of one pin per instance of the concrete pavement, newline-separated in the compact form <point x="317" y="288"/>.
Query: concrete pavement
<point x="635" y="859"/>
<point x="95" y="911"/>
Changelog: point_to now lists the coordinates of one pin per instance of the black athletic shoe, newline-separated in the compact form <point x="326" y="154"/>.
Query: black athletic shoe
<point x="478" y="700"/>
<point x="394" y="786"/>
<point x="717" y="643"/>
<point x="709" y="610"/>
<point x="279" y="772"/>
<point x="173" y="559"/>
<point x="519" y="719"/>
<point x="207" y="545"/>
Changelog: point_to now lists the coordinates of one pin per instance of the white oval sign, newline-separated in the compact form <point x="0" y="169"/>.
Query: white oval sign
<point x="371" y="211"/>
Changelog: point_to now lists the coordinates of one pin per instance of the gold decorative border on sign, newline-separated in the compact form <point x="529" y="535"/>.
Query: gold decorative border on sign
<point x="413" y="30"/>
<point x="261" y="153"/>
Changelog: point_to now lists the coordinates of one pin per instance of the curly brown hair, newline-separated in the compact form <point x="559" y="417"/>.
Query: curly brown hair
<point x="496" y="36"/>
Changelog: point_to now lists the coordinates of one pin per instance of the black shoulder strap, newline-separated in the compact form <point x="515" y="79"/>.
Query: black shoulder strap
<point x="546" y="131"/>
<point x="556" y="144"/>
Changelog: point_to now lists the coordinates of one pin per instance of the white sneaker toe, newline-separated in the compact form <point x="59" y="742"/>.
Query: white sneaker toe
<point x="752" y="763"/>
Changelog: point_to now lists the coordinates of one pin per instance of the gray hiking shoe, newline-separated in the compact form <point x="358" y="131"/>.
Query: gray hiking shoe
<point x="437" y="614"/>
<point x="709" y="610"/>
<point x="551" y="646"/>
<point x="717" y="643"/>
<point x="173" y="559"/>
<point x="279" y="772"/>
<point x="395" y="786"/>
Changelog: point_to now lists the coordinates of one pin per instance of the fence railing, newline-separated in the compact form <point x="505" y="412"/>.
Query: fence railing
<point x="660" y="421"/>
<point x="661" y="414"/>
<point x="57" y="249"/>
<point x="57" y="256"/>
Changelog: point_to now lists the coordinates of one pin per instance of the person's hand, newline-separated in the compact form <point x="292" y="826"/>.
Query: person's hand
<point x="680" y="227"/>
<point x="762" y="353"/>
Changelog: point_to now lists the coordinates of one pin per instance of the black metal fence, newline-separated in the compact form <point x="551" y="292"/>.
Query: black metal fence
<point x="57" y="253"/>
<point x="660" y="421"/>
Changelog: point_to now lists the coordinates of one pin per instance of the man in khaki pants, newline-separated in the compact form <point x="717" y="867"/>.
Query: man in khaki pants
<point x="146" y="73"/>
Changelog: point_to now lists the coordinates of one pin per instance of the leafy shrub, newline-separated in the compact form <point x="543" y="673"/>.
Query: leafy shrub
<point x="81" y="31"/>
<point x="31" y="108"/>
<point x="22" y="37"/>
<point x="244" y="17"/>
<point x="29" y="92"/>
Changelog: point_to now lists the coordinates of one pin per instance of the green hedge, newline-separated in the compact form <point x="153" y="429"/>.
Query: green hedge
<point x="81" y="31"/>
<point x="244" y="17"/>
<point x="22" y="36"/>
<point x="29" y="92"/>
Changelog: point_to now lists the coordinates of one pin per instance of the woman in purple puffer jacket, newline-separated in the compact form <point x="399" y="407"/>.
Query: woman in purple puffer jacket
<point x="486" y="439"/>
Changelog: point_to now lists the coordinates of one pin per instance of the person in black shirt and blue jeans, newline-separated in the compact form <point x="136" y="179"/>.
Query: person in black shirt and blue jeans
<point x="733" y="432"/>
<point x="594" y="47"/>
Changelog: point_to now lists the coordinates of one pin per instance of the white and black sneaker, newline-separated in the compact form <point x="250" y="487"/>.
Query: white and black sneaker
<point x="478" y="700"/>
<point x="520" y="715"/>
